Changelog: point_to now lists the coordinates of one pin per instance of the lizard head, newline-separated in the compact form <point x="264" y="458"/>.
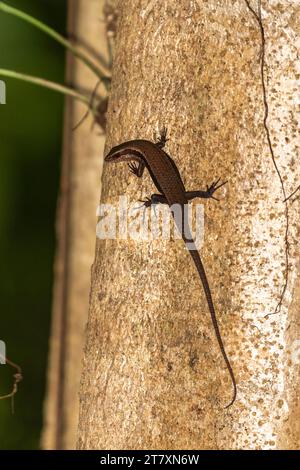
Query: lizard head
<point x="121" y="153"/>
<point x="114" y="154"/>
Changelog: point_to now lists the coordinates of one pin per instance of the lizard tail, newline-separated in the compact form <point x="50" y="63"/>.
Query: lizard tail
<point x="200" y="268"/>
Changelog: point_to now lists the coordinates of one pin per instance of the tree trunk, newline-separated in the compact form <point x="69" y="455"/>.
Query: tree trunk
<point x="76" y="238"/>
<point x="153" y="376"/>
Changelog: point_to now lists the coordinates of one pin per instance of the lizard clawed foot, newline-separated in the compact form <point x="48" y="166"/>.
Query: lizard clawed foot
<point x="133" y="168"/>
<point x="213" y="187"/>
<point x="162" y="138"/>
<point x="147" y="202"/>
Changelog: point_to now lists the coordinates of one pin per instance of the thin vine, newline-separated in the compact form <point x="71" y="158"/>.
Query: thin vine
<point x="258" y="17"/>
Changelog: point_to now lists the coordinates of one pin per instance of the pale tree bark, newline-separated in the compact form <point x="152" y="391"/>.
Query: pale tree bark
<point x="82" y="166"/>
<point x="153" y="376"/>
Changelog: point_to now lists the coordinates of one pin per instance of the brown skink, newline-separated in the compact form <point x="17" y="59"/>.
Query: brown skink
<point x="143" y="154"/>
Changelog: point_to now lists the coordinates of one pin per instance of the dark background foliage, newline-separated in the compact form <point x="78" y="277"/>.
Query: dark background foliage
<point x="30" y="149"/>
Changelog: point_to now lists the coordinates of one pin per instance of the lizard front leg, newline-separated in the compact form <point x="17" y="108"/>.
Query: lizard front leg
<point x="162" y="139"/>
<point x="137" y="168"/>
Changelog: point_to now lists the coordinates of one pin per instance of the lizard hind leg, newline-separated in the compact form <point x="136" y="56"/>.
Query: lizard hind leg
<point x="155" y="199"/>
<point x="208" y="194"/>
<point x="152" y="201"/>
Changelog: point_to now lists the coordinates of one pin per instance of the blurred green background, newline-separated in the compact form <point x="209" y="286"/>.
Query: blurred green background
<point x="30" y="150"/>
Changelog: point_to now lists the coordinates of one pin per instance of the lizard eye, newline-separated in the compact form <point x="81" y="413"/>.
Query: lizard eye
<point x="109" y="157"/>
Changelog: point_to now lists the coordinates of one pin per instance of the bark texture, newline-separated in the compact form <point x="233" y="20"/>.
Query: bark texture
<point x="79" y="196"/>
<point x="153" y="376"/>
